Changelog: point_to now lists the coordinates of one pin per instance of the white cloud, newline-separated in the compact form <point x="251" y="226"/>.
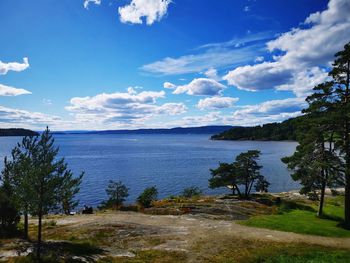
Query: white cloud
<point x="26" y="119"/>
<point x="212" y="73"/>
<point x="201" y="86"/>
<point x="87" y="3"/>
<point x="213" y="55"/>
<point x="259" y="59"/>
<point x="13" y="66"/>
<point x="305" y="51"/>
<point x="249" y="115"/>
<point x="152" y="10"/>
<point x="11" y="91"/>
<point x="216" y="103"/>
<point x="169" y="85"/>
<point x="47" y="102"/>
<point x="262" y="76"/>
<point x="122" y="108"/>
<point x="273" y="107"/>
<point x="325" y="34"/>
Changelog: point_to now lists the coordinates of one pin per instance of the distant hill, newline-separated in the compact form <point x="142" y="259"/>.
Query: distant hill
<point x="285" y="130"/>
<point x="178" y="130"/>
<point x="17" y="132"/>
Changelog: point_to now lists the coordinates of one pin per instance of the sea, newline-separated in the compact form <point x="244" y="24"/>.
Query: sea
<point x="171" y="162"/>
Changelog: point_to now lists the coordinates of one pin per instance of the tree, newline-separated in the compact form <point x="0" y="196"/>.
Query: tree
<point x="148" y="196"/>
<point x="117" y="193"/>
<point x="69" y="187"/>
<point x="40" y="180"/>
<point x="225" y="175"/>
<point x="331" y="103"/>
<point x="248" y="169"/>
<point x="341" y="90"/>
<point x="192" y="191"/>
<point x="314" y="165"/>
<point x="17" y="173"/>
<point x="244" y="171"/>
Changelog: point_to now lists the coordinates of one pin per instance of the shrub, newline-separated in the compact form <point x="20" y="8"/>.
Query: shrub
<point x="148" y="196"/>
<point x="192" y="191"/>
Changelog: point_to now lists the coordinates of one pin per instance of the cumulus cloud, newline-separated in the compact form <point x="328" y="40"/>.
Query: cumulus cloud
<point x="151" y="10"/>
<point x="87" y="3"/>
<point x="262" y="76"/>
<point x="13" y="66"/>
<point x="169" y="85"/>
<point x="212" y="73"/>
<point x="201" y="86"/>
<point x="273" y="107"/>
<point x="305" y="52"/>
<point x="214" y="103"/>
<point x="119" y="107"/>
<point x="249" y="115"/>
<point x="23" y="118"/>
<point x="11" y="91"/>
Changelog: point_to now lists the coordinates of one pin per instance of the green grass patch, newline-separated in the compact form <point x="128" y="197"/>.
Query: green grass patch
<point x="301" y="218"/>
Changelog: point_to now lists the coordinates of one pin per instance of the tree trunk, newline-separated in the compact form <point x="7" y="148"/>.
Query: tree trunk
<point x="26" y="225"/>
<point x="38" y="252"/>
<point x="347" y="154"/>
<point x="40" y="214"/>
<point x="238" y="191"/>
<point x="323" y="189"/>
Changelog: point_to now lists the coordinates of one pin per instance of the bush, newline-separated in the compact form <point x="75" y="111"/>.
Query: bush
<point x="192" y="191"/>
<point x="148" y="196"/>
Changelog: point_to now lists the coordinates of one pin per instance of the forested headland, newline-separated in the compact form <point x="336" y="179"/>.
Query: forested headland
<point x="286" y="130"/>
<point x="17" y="132"/>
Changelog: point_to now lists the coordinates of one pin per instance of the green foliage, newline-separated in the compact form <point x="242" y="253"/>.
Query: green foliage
<point x="192" y="191"/>
<point x="41" y="182"/>
<point x="68" y="188"/>
<point x="117" y="193"/>
<point x="9" y="216"/>
<point x="267" y="132"/>
<point x="244" y="171"/>
<point x="148" y="196"/>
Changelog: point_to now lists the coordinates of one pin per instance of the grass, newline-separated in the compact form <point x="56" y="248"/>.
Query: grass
<point x="62" y="252"/>
<point x="149" y="256"/>
<point x="224" y="249"/>
<point x="300" y="218"/>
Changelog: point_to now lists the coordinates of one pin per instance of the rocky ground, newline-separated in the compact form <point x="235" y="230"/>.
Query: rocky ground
<point x="186" y="229"/>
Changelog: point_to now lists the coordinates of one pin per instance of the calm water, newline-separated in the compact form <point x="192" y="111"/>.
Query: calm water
<point x="171" y="162"/>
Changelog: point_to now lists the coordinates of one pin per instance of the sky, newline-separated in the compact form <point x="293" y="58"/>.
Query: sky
<point x="127" y="64"/>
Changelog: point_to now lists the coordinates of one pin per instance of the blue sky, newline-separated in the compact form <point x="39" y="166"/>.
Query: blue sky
<point x="108" y="64"/>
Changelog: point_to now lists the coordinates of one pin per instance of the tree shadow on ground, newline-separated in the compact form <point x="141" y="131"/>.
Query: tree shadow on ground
<point x="62" y="251"/>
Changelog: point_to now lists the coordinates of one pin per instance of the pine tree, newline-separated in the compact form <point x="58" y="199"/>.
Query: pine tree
<point x="244" y="171"/>
<point x="41" y="181"/>
<point x="117" y="193"/>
